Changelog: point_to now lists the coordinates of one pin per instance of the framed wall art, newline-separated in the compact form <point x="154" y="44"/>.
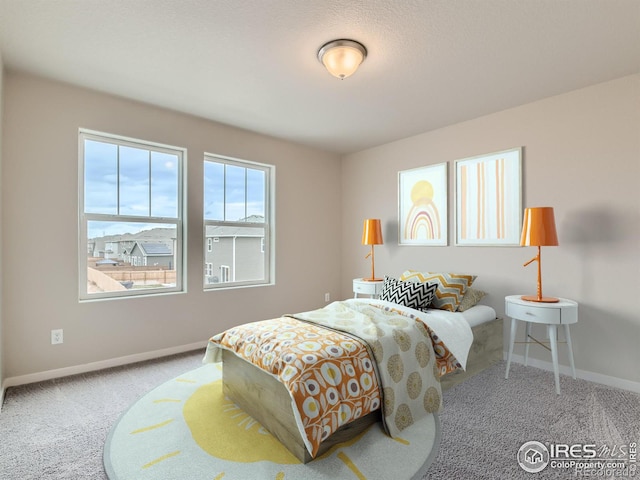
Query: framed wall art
<point x="489" y="199"/>
<point x="422" y="206"/>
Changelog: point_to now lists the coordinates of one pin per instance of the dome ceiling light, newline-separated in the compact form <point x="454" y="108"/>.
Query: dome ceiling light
<point x="342" y="57"/>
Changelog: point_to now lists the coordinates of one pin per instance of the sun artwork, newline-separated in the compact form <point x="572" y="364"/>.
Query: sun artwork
<point x="423" y="219"/>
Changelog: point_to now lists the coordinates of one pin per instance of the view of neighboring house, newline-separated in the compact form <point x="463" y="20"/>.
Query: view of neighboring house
<point x="151" y="254"/>
<point x="234" y="253"/>
<point x="154" y="247"/>
<point x="145" y="259"/>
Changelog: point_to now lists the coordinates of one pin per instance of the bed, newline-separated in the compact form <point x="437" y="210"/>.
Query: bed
<point x="262" y="395"/>
<point x="486" y="348"/>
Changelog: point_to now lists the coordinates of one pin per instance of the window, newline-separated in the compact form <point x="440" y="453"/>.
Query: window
<point x="131" y="208"/>
<point x="237" y="222"/>
<point x="224" y="273"/>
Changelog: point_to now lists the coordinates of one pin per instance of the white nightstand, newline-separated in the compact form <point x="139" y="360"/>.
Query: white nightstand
<point x="564" y="312"/>
<point x="364" y="287"/>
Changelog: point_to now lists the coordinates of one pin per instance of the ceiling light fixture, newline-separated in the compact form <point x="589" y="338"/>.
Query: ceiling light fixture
<point x="342" y="57"/>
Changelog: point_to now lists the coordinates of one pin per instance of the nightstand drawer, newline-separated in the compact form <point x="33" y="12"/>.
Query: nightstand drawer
<point x="363" y="287"/>
<point x="367" y="288"/>
<point x="533" y="313"/>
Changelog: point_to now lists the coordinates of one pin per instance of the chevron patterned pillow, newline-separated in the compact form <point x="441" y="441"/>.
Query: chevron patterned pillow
<point x="451" y="287"/>
<point x="410" y="294"/>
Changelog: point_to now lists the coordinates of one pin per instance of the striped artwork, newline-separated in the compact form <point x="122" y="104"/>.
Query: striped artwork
<point x="488" y="199"/>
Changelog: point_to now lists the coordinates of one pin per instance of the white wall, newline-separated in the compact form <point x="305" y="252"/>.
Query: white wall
<point x="40" y="231"/>
<point x="581" y="156"/>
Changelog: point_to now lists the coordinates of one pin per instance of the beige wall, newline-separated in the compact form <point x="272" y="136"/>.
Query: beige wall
<point x="581" y="156"/>
<point x="1" y="264"/>
<point x="40" y="230"/>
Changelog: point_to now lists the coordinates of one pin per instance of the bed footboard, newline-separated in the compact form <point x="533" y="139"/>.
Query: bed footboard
<point x="268" y="401"/>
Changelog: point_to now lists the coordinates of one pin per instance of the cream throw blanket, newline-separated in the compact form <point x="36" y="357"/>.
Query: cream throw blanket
<point x="404" y="354"/>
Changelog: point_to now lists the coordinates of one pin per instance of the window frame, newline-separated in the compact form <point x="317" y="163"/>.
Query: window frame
<point x="84" y="218"/>
<point x="268" y="224"/>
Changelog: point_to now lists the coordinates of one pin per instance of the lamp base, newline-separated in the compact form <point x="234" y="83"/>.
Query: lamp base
<point x="534" y="298"/>
<point x="372" y="279"/>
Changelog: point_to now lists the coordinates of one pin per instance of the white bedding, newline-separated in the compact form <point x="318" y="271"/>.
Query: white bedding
<point x="479" y="314"/>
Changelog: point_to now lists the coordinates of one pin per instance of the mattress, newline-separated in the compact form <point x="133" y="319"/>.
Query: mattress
<point x="476" y="315"/>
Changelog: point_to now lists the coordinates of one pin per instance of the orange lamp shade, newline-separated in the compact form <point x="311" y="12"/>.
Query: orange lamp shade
<point x="539" y="227"/>
<point x="372" y="232"/>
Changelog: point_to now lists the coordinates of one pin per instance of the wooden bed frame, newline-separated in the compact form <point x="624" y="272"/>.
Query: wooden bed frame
<point x="268" y="401"/>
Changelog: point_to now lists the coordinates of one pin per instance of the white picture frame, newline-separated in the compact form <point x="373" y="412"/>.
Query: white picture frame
<point x="488" y="200"/>
<point x="422" y="206"/>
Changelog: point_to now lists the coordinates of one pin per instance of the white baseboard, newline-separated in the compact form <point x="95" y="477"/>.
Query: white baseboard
<point x="92" y="367"/>
<point x="583" y="374"/>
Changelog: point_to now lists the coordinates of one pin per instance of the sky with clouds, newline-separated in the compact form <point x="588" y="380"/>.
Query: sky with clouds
<point x="123" y="180"/>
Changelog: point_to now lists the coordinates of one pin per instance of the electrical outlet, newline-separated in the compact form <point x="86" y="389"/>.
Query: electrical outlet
<point x="327" y="297"/>
<point x="56" y="336"/>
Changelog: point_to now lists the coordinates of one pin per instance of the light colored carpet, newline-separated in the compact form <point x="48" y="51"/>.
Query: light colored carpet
<point x="185" y="428"/>
<point x="57" y="429"/>
<point x="487" y="418"/>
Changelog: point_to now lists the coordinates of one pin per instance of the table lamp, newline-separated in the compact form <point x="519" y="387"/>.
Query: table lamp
<point x="539" y="230"/>
<point x="372" y="235"/>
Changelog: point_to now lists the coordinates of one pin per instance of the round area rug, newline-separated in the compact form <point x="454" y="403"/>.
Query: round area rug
<point x="186" y="428"/>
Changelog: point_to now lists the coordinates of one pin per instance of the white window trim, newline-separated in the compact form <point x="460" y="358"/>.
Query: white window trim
<point x="269" y="225"/>
<point x="84" y="218"/>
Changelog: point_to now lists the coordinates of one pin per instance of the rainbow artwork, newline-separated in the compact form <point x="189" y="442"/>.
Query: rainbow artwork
<point x="423" y="206"/>
<point x="423" y="219"/>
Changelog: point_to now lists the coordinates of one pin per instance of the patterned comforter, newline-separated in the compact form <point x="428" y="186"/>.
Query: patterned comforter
<point x="323" y="358"/>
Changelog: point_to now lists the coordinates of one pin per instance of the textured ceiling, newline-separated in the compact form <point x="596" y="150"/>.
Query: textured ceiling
<point x="252" y="63"/>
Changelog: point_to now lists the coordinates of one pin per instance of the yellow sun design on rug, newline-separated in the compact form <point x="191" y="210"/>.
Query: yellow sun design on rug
<point x="187" y="428"/>
<point x="208" y="407"/>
